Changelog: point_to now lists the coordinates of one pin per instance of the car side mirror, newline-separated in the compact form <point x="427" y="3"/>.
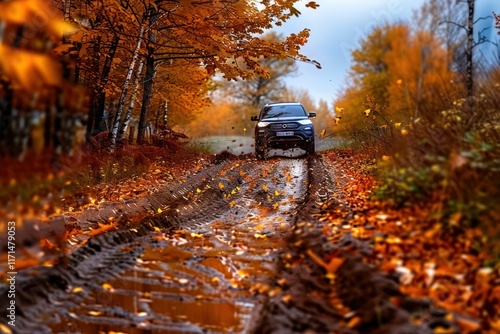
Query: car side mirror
<point x="312" y="114"/>
<point x="254" y="118"/>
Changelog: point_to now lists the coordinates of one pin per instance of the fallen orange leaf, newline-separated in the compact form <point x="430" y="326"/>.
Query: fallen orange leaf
<point x="353" y="322"/>
<point x="330" y="267"/>
<point x="5" y="329"/>
<point x="102" y="229"/>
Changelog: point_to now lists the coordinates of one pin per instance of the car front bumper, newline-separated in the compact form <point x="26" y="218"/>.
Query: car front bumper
<point x="271" y="139"/>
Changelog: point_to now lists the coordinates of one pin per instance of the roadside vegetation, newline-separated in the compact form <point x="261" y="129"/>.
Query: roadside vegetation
<point x="410" y="110"/>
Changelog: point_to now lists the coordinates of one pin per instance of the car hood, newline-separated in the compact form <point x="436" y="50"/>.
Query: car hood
<point x="278" y="119"/>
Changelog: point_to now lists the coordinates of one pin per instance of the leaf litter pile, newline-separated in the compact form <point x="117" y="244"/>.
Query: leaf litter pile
<point x="351" y="264"/>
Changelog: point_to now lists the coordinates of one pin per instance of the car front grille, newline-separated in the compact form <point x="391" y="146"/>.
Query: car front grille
<point x="284" y="126"/>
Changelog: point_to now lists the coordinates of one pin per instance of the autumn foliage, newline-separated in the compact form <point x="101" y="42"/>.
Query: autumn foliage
<point x="407" y="108"/>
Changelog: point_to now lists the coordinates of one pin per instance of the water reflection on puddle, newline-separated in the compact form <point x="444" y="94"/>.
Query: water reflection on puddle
<point x="171" y="290"/>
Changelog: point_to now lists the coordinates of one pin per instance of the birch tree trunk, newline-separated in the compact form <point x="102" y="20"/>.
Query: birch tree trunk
<point x="469" y="55"/>
<point x="121" y="102"/>
<point x="67" y="9"/>
<point x="148" y="78"/>
<point x="165" y="114"/>
<point x="128" y="114"/>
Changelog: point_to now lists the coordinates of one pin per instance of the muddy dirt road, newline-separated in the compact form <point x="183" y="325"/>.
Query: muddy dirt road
<point x="237" y="246"/>
<point x="201" y="256"/>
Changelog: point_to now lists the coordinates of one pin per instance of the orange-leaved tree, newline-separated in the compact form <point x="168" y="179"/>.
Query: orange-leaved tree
<point x="394" y="73"/>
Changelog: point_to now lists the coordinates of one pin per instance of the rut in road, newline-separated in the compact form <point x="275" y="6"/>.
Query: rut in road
<point x="204" y="264"/>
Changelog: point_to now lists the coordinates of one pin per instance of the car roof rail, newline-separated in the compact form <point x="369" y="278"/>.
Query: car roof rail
<point x="281" y="102"/>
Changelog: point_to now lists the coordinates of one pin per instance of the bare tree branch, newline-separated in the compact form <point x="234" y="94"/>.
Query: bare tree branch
<point x="455" y="24"/>
<point x="483" y="18"/>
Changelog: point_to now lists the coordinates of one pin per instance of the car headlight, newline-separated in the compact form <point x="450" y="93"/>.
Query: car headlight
<point x="262" y="124"/>
<point x="305" y="121"/>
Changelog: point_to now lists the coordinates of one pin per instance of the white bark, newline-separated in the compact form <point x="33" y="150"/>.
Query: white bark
<point x="121" y="103"/>
<point x="469" y="54"/>
<point x="165" y="114"/>
<point x="67" y="7"/>
<point x="128" y="114"/>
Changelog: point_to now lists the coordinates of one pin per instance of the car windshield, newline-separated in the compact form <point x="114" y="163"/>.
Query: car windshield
<point x="283" y="111"/>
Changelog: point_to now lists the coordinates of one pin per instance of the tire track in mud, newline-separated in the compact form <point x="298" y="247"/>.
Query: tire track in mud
<point x="304" y="302"/>
<point x="204" y="264"/>
<point x="163" y="198"/>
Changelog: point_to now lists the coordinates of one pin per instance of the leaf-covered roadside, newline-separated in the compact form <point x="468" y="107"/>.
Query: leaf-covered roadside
<point x="40" y="187"/>
<point x="454" y="269"/>
<point x="44" y="203"/>
<point x="369" y="267"/>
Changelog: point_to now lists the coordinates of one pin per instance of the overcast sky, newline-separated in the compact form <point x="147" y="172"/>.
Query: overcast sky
<point x="337" y="27"/>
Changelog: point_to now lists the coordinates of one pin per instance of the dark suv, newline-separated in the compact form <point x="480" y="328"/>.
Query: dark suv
<point x="283" y="125"/>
